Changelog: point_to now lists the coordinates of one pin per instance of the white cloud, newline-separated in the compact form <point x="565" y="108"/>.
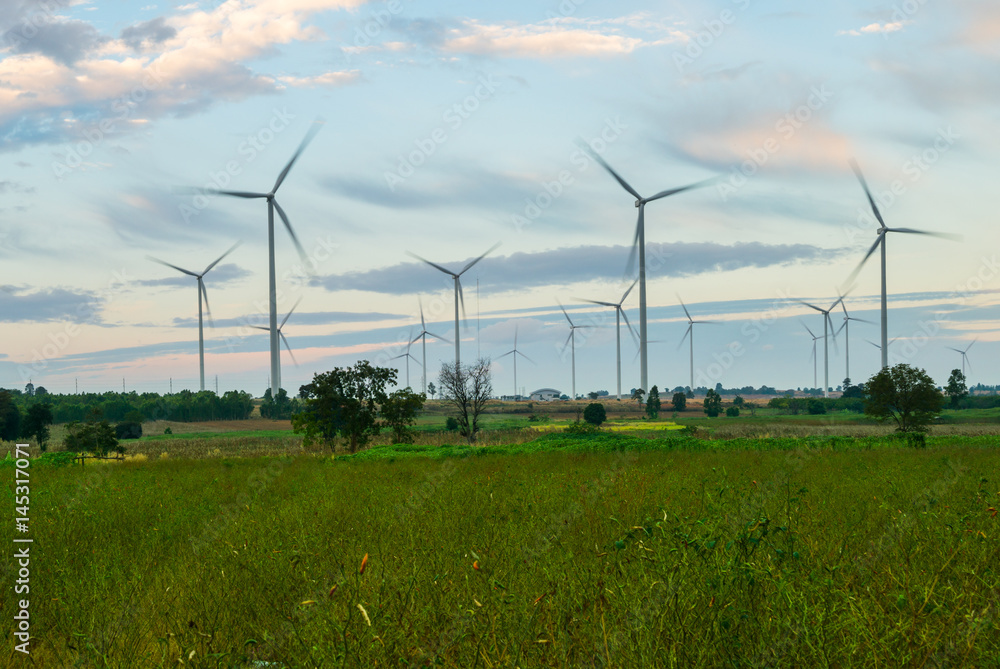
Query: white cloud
<point x="875" y="29"/>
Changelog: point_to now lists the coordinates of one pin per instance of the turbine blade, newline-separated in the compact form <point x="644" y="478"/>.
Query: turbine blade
<point x="179" y="269"/>
<point x="437" y="336"/>
<point x="633" y="252"/>
<point x="461" y="296"/>
<point x="864" y="184"/>
<point x="289" y="313"/>
<point x="674" y="191"/>
<point x="423" y="325"/>
<point x="684" y="307"/>
<point x="686" y="333"/>
<point x="603" y="304"/>
<point x="516" y="326"/>
<point x="874" y="344"/>
<point x="288" y="226"/>
<point x="317" y="124"/>
<point x="567" y="339"/>
<point x="219" y="259"/>
<point x="261" y="327"/>
<point x="942" y="235"/>
<point x="811" y="306"/>
<point x="434" y="265"/>
<point x="565" y="314"/>
<point x="505" y="355"/>
<point x="208" y="310"/>
<point x="860" y="320"/>
<point x="854" y="274"/>
<point x="285" y="342"/>
<point x="469" y="266"/>
<point x="970" y="345"/>
<point x="237" y="193"/>
<point x="956" y="350"/>
<point x="635" y="337"/>
<point x="526" y="358"/>
<point x="625" y="295"/>
<point x="593" y="154"/>
<point x="811" y="334"/>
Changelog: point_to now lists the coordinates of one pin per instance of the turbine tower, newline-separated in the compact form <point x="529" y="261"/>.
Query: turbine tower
<point x="282" y="336"/>
<point x="964" y="353"/>
<point x="408" y="357"/>
<point x="880" y="241"/>
<point x="846" y="327"/>
<point x="827" y="328"/>
<point x="423" y="337"/>
<point x="514" y="352"/>
<point x="639" y="246"/>
<point x="571" y="340"/>
<point x="619" y="315"/>
<point x="459" y="295"/>
<point x="272" y="206"/>
<point x="690" y="332"/>
<point x="815" y="359"/>
<point x="202" y="293"/>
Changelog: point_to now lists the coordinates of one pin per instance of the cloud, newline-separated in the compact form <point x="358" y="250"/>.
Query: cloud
<point x="19" y="305"/>
<point x="148" y="215"/>
<point x="327" y="79"/>
<point x="298" y="318"/>
<point x="572" y="265"/>
<point x="220" y="275"/>
<point x="147" y="33"/>
<point x="64" y="42"/>
<point x="15" y="187"/>
<point x="875" y="29"/>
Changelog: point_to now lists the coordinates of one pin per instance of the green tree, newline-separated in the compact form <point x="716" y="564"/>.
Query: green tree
<point x="679" y="401"/>
<point x="400" y="412"/>
<point x="738" y="402"/>
<point x="130" y="427"/>
<point x="733" y="412"/>
<point x="431" y="390"/>
<point x="10" y="417"/>
<point x="653" y="402"/>
<point x="712" y="405"/>
<point x="905" y="394"/>
<point x="468" y="388"/>
<point x="36" y="424"/>
<point x="95" y="435"/>
<point x="956" y="389"/>
<point x="638" y="394"/>
<point x="344" y="402"/>
<point x="279" y="408"/>
<point x="595" y="414"/>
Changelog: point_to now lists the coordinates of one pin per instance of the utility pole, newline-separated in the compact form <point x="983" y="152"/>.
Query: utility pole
<point x="171" y="385"/>
<point x="216" y="384"/>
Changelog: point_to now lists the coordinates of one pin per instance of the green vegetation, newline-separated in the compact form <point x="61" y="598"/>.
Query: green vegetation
<point x="904" y="394"/>
<point x="653" y="403"/>
<point x="712" y="406"/>
<point x="595" y="414"/>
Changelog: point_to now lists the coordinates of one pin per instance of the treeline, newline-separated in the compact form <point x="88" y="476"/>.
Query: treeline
<point x="816" y="405"/>
<point x="183" y="406"/>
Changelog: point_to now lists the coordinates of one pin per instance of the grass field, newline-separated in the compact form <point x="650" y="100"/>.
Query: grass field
<point x="624" y="549"/>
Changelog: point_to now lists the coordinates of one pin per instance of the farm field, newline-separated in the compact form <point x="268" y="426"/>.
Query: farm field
<point x="676" y="543"/>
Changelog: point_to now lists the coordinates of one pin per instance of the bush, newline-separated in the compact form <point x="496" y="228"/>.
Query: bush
<point x="816" y="407"/>
<point x="732" y="412"/>
<point x="581" y="428"/>
<point x="679" y="401"/>
<point x="128" y="430"/>
<point x="451" y="424"/>
<point x="595" y="414"/>
<point x="168" y="431"/>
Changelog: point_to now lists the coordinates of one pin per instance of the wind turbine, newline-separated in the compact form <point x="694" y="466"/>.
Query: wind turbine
<point x="408" y="357"/>
<point x="827" y="328"/>
<point x="272" y="205"/>
<point x="202" y="293"/>
<point x="571" y="340"/>
<point x="514" y="352"/>
<point x="815" y="359"/>
<point x="846" y="327"/>
<point x="459" y="295"/>
<point x="690" y="332"/>
<point x="880" y="241"/>
<point x="639" y="245"/>
<point x="423" y="336"/>
<point x="964" y="354"/>
<point x="282" y="335"/>
<point x="619" y="315"/>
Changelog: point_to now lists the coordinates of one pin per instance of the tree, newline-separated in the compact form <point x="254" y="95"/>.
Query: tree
<point x="10" y="417"/>
<point x="850" y="391"/>
<point x="816" y="407"/>
<point x="130" y="426"/>
<point x="653" y="403"/>
<point x="733" y="411"/>
<point x="280" y="408"/>
<point x="679" y="401"/>
<point x="905" y="394"/>
<point x="431" y="390"/>
<point x="468" y="387"/>
<point x="751" y="407"/>
<point x="738" y="402"/>
<point x="36" y="424"/>
<point x="595" y="414"/>
<point x="956" y="388"/>
<point x="400" y="412"/>
<point x="713" y="404"/>
<point x="638" y="394"/>
<point x="95" y="436"/>
<point x="593" y="394"/>
<point x="344" y="402"/>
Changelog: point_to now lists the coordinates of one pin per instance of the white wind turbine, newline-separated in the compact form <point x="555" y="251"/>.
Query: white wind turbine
<point x="639" y="247"/>
<point x="408" y="357"/>
<point x="272" y="206"/>
<point x="827" y="329"/>
<point x="202" y="293"/>
<point x="514" y="352"/>
<point x="459" y="295"/>
<point x="964" y="354"/>
<point x="814" y="357"/>
<point x="846" y="327"/>
<point x="285" y="341"/>
<point x="690" y="333"/>
<point x="571" y="340"/>
<point x="424" y="333"/>
<point x="619" y="315"/>
<point x="880" y="241"/>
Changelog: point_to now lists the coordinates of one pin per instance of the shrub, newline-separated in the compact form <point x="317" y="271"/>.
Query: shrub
<point x="581" y="428"/>
<point x="816" y="407"/>
<point x="168" y="431"/>
<point x="595" y="414"/>
<point x="732" y="412"/>
<point x="128" y="430"/>
<point x="451" y="424"/>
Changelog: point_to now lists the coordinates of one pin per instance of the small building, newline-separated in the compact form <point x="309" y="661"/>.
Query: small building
<point x="545" y="395"/>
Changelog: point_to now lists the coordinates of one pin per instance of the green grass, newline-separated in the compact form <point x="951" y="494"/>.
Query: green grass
<point x="603" y="550"/>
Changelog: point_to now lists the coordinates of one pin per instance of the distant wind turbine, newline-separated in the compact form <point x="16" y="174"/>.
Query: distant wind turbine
<point x="424" y="333"/>
<point x="272" y="205"/>
<point x="639" y="247"/>
<point x="619" y="315"/>
<point x="459" y="295"/>
<point x="571" y="340"/>
<point x="202" y="293"/>
<point x="690" y="333"/>
<point x="846" y="327"/>
<point x="964" y="353"/>
<point x="514" y="353"/>
<point x="827" y="329"/>
<point x="880" y="241"/>
<point x="408" y="357"/>
<point x="814" y="357"/>
<point x="285" y="341"/>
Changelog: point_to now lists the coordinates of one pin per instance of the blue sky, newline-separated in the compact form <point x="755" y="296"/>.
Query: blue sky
<point x="448" y="127"/>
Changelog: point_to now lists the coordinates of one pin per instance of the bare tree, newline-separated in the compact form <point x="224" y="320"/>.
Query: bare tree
<point x="467" y="387"/>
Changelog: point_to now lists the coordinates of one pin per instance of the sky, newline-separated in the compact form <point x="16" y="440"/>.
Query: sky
<point x="445" y="128"/>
